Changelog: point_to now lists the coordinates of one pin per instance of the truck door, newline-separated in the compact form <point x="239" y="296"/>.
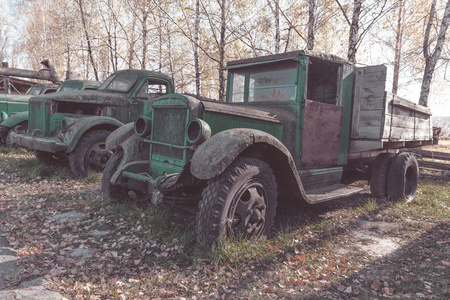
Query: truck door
<point x="324" y="137"/>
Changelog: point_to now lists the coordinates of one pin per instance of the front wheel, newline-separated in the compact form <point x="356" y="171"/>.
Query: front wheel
<point x="90" y="153"/>
<point x="239" y="202"/>
<point x="22" y="126"/>
<point x="403" y="177"/>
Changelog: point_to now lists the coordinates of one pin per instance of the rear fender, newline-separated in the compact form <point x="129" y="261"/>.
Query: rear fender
<point x="76" y="128"/>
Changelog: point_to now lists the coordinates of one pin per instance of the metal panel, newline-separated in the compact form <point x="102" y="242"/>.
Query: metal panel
<point x="321" y="135"/>
<point x="39" y="119"/>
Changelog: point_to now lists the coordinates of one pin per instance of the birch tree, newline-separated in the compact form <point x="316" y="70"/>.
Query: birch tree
<point x="275" y="8"/>
<point x="311" y="24"/>
<point x="362" y="20"/>
<point x="84" y="22"/>
<point x="398" y="47"/>
<point x="431" y="59"/>
<point x="3" y="33"/>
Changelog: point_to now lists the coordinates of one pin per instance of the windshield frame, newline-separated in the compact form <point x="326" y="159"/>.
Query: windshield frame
<point x="107" y="85"/>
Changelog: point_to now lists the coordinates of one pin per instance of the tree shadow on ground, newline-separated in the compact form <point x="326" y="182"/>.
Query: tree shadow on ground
<point x="418" y="270"/>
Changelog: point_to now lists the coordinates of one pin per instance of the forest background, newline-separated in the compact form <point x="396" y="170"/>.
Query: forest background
<point x="192" y="40"/>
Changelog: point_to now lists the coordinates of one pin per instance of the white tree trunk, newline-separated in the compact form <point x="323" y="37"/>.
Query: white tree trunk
<point x="431" y="61"/>
<point x="354" y="28"/>
<point x="311" y="23"/>
<point x="196" y="40"/>
<point x="398" y="48"/>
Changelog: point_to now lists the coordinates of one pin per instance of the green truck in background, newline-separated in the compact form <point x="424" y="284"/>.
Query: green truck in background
<point x="71" y="127"/>
<point x="14" y="103"/>
<point x="14" y="108"/>
<point x="292" y="123"/>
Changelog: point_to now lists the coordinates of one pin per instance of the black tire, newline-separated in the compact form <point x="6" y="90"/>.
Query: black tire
<point x="109" y="190"/>
<point x="379" y="175"/>
<point x="52" y="159"/>
<point x="90" y="153"/>
<point x="246" y="195"/>
<point x="403" y="177"/>
<point x="21" y="126"/>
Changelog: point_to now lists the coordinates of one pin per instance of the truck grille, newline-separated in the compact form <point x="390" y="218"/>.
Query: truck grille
<point x="169" y="127"/>
<point x="39" y="116"/>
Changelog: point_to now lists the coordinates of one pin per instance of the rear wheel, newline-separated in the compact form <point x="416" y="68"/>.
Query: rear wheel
<point x="379" y="175"/>
<point x="403" y="177"/>
<point x="239" y="202"/>
<point x="90" y="153"/>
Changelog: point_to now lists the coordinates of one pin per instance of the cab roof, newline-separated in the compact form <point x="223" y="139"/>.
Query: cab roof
<point x="284" y="56"/>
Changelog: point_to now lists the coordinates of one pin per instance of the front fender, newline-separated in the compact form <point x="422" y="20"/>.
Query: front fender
<point x="82" y="125"/>
<point x="217" y="153"/>
<point x="15" y="119"/>
<point x="135" y="156"/>
<point x="119" y="135"/>
<point x="213" y="156"/>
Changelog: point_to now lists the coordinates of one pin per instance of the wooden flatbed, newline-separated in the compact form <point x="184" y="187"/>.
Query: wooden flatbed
<point x="381" y="120"/>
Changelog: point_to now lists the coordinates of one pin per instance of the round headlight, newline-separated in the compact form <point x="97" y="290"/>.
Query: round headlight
<point x="143" y="126"/>
<point x="198" y="131"/>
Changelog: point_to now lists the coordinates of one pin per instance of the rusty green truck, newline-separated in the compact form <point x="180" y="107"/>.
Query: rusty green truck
<point x="16" y="108"/>
<point x="72" y="126"/>
<point x="14" y="103"/>
<point x="292" y="123"/>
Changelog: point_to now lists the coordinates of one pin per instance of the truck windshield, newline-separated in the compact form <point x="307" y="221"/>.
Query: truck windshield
<point x="271" y="82"/>
<point x="119" y="82"/>
<point x="34" y="90"/>
<point x="69" y="86"/>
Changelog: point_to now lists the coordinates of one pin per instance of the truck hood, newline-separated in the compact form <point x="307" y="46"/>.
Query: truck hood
<point x="14" y="98"/>
<point x="89" y="96"/>
<point x="285" y="115"/>
<point x="272" y="113"/>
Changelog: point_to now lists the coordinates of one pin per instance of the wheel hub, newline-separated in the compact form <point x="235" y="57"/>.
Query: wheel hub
<point x="249" y="213"/>
<point x="98" y="156"/>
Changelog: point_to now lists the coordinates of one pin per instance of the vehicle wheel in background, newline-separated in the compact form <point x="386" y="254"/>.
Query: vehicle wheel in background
<point x="90" y="153"/>
<point x="22" y="126"/>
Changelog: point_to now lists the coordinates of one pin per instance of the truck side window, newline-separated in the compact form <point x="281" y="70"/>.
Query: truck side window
<point x="322" y="81"/>
<point x="49" y="91"/>
<point x="152" y="90"/>
<point x="237" y="95"/>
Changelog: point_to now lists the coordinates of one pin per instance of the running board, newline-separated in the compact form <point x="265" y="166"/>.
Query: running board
<point x="331" y="192"/>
